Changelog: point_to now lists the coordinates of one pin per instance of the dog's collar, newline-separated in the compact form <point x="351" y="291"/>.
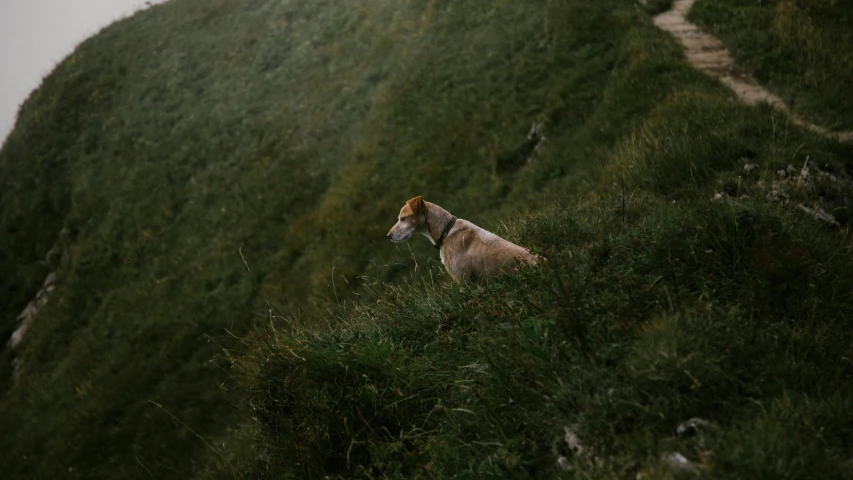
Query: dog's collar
<point x="444" y="233"/>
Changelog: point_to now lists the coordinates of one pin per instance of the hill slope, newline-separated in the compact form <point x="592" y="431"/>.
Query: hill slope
<point x="212" y="176"/>
<point x="802" y="50"/>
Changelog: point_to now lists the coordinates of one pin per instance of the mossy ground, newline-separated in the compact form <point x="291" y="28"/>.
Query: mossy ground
<point x="229" y="307"/>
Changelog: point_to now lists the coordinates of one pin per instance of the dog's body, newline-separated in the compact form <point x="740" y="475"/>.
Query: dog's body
<point x="467" y="251"/>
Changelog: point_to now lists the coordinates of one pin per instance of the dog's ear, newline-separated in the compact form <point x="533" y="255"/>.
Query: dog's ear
<point x="417" y="205"/>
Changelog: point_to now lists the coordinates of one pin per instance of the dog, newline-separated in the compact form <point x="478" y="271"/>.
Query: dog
<point x="468" y="252"/>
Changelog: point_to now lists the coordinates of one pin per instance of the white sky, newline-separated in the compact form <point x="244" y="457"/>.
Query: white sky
<point x="36" y="34"/>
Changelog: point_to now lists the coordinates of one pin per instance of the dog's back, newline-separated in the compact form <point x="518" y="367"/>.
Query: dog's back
<point x="472" y="253"/>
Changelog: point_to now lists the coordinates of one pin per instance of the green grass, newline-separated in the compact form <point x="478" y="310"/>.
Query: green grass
<point x="223" y="175"/>
<point x="801" y="50"/>
<point x="643" y="319"/>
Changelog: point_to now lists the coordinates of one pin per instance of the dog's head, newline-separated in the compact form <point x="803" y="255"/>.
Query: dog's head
<point x="412" y="217"/>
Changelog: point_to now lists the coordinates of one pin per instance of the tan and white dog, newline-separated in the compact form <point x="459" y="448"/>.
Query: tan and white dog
<point x="467" y="251"/>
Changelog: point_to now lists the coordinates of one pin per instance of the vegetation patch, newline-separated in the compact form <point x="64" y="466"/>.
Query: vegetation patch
<point x="212" y="181"/>
<point x="802" y="50"/>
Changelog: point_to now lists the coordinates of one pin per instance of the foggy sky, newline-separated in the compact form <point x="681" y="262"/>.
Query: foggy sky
<point x="36" y="34"/>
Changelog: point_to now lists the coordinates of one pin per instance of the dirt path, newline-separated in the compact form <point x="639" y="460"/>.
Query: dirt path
<point x="708" y="55"/>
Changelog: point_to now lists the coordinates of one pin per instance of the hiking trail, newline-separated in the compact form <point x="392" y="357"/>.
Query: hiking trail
<point x="708" y="55"/>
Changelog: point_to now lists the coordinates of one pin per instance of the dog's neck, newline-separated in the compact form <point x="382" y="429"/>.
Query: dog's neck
<point x="436" y="219"/>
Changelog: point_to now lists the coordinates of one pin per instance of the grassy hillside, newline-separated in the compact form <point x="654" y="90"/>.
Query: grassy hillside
<point x="802" y="50"/>
<point x="658" y="305"/>
<point x="212" y="182"/>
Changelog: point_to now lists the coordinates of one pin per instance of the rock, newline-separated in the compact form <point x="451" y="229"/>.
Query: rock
<point x="778" y="194"/>
<point x="804" y="181"/>
<point x="693" y="426"/>
<point x="32" y="308"/>
<point x="576" y="447"/>
<point x="677" y="461"/>
<point x="819" y="214"/>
